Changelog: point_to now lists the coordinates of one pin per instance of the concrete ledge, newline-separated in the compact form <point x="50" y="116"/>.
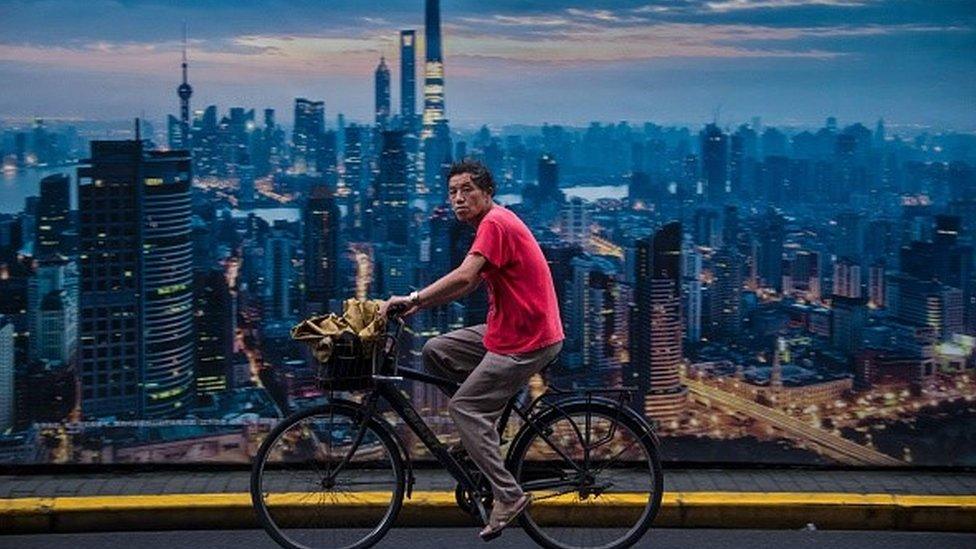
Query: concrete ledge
<point x="768" y="510"/>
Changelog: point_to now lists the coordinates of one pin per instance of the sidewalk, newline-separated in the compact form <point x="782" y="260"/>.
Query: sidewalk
<point x="878" y="500"/>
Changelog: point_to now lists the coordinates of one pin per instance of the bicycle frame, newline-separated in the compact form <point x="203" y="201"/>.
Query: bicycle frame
<point x="386" y="389"/>
<point x="404" y="408"/>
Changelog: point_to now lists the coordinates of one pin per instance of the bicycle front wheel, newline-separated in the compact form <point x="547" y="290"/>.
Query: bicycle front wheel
<point x="328" y="478"/>
<point x="594" y="474"/>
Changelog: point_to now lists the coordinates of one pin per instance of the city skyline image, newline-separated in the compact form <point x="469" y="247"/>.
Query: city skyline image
<point x="758" y="215"/>
<point x="793" y="62"/>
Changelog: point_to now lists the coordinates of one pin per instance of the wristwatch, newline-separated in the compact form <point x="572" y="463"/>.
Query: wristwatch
<point x="414" y="298"/>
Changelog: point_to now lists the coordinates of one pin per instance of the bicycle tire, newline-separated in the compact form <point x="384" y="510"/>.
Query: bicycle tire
<point x="383" y="434"/>
<point x="644" y="436"/>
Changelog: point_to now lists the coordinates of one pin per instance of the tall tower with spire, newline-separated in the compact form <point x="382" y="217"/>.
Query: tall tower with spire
<point x="184" y="91"/>
<point x="433" y="70"/>
<point x="382" y="102"/>
<point x="408" y="79"/>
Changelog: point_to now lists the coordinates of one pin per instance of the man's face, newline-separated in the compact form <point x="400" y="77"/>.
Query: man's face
<point x="467" y="199"/>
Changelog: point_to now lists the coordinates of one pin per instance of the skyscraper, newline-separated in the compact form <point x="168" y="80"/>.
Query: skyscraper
<point x="926" y="303"/>
<point x="184" y="91"/>
<point x="433" y="70"/>
<point x="307" y="134"/>
<point x="214" y="319"/>
<point x="53" y="217"/>
<point x="352" y="159"/>
<point x="137" y="336"/>
<point x="437" y="158"/>
<point x="847" y="278"/>
<point x="408" y="78"/>
<point x="409" y="120"/>
<point x="715" y="162"/>
<point x="52" y="310"/>
<point x="657" y="350"/>
<point x="548" y="176"/>
<point x="737" y="163"/>
<point x="279" y="275"/>
<point x="805" y="274"/>
<point x="382" y="94"/>
<point x="205" y="145"/>
<point x="726" y="295"/>
<point x="594" y="319"/>
<point x="848" y="319"/>
<point x="850" y="235"/>
<point x="575" y="221"/>
<point x="771" y="250"/>
<point x="390" y="195"/>
<point x="706" y="229"/>
<point x="691" y="291"/>
<point x="321" y="243"/>
<point x="876" y="284"/>
<point x="6" y="373"/>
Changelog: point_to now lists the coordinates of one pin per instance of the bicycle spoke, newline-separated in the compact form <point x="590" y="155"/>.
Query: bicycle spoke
<point x="327" y="480"/>
<point x="618" y="466"/>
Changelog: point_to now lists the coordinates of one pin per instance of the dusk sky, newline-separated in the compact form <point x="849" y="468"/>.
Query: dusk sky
<point x="668" y="61"/>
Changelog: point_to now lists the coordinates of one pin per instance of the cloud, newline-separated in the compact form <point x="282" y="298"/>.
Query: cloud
<point x="732" y="5"/>
<point x="268" y="56"/>
<point x="519" y="20"/>
<point x="603" y="16"/>
<point x="242" y="59"/>
<point x="274" y="50"/>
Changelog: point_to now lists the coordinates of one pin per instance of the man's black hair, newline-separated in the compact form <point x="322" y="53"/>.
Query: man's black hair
<point x="480" y="175"/>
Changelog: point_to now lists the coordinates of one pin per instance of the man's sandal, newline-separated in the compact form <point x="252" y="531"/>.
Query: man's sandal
<point x="497" y="523"/>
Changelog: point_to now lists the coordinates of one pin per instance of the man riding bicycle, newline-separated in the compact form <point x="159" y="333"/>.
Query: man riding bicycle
<point x="523" y="333"/>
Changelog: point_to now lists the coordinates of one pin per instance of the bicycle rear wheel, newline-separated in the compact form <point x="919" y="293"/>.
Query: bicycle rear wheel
<point x="596" y="483"/>
<point x="325" y="478"/>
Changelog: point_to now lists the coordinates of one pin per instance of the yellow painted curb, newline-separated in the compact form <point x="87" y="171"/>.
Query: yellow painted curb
<point x="430" y="508"/>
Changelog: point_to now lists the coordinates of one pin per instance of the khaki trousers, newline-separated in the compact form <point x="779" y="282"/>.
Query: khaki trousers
<point x="487" y="380"/>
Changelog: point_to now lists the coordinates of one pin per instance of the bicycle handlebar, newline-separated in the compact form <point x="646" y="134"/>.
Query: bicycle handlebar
<point x="393" y="312"/>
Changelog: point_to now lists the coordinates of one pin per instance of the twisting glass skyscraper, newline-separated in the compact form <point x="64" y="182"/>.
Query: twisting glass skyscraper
<point x="433" y="70"/>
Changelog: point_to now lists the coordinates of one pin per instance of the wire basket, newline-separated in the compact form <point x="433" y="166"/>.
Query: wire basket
<point x="350" y="367"/>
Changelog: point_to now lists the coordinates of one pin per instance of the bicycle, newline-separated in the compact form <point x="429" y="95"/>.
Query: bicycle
<point x="335" y="475"/>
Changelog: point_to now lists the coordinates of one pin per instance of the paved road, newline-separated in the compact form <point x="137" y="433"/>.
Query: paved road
<point x="836" y="446"/>
<point x="418" y="538"/>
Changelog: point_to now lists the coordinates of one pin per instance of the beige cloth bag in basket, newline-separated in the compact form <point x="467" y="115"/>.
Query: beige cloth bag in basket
<point x="360" y="317"/>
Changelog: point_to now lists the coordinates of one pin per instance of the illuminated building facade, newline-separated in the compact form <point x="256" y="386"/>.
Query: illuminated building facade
<point x="52" y="235"/>
<point x="433" y="70"/>
<point x="408" y="77"/>
<point x="656" y="357"/>
<point x="382" y="92"/>
<point x="321" y="244"/>
<point x="136" y="340"/>
<point x="307" y="134"/>
<point x="390" y="195"/>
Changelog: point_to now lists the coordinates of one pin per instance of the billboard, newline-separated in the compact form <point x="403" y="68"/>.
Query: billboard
<point x="758" y="215"/>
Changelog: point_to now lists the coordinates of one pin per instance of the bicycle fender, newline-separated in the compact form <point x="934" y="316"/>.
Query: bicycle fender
<point x="572" y="401"/>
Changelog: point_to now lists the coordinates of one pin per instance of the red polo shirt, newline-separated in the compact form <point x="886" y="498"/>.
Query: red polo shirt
<point x="523" y="313"/>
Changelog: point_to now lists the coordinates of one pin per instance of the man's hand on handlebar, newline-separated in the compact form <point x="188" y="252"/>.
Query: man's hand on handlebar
<point x="397" y="306"/>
